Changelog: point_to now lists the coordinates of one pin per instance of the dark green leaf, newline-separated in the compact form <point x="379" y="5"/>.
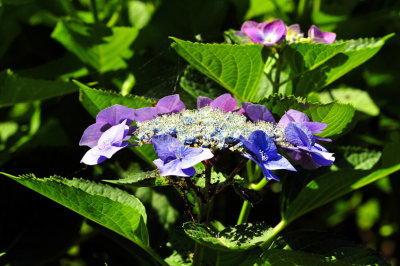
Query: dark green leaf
<point x="296" y="258"/>
<point x="237" y="68"/>
<point x="15" y="89"/>
<point x="110" y="207"/>
<point x="233" y="238"/>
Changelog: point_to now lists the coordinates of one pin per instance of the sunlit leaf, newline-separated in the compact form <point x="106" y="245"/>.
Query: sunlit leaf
<point x="142" y="179"/>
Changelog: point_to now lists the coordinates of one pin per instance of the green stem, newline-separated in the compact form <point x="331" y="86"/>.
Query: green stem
<point x="277" y="75"/>
<point x="316" y="5"/>
<point x="244" y="212"/>
<point x="94" y="10"/>
<point x="249" y="170"/>
<point x="259" y="185"/>
<point x="198" y="255"/>
<point x="301" y="8"/>
<point x="277" y="229"/>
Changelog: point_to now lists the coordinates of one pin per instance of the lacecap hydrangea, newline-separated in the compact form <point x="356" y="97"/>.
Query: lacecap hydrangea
<point x="183" y="138"/>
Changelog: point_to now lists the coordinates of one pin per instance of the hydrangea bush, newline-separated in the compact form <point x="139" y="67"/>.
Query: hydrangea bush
<point x="265" y="127"/>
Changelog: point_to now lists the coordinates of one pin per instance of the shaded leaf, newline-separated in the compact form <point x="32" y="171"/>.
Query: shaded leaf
<point x="234" y="238"/>
<point x="237" y="68"/>
<point x="361" y="159"/>
<point x="142" y="179"/>
<point x="332" y="185"/>
<point x="102" y="48"/>
<point x="110" y="207"/>
<point x="15" y="89"/>
<point x="297" y="258"/>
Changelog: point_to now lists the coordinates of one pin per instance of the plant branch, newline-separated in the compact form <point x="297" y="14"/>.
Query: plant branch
<point x="230" y="179"/>
<point x="244" y="212"/>
<point x="277" y="229"/>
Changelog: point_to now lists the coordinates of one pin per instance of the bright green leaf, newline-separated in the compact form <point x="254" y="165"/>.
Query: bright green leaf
<point x="358" y="98"/>
<point x="102" y="48"/>
<point x="15" y="89"/>
<point x="368" y="213"/>
<point x="336" y="115"/>
<point x="361" y="159"/>
<point x="110" y="207"/>
<point x="237" y="68"/>
<point x="233" y="238"/>
<point x="332" y="185"/>
<point x="142" y="179"/>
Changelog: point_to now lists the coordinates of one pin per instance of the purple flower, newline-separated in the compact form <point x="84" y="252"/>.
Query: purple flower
<point x="105" y="119"/>
<point x="265" y="154"/>
<point x="166" y="105"/>
<point x="175" y="158"/>
<point x="225" y="102"/>
<point x="256" y="112"/>
<point x="303" y="119"/>
<point x="109" y="143"/>
<point x="309" y="154"/>
<point x="265" y="33"/>
<point x="321" y="36"/>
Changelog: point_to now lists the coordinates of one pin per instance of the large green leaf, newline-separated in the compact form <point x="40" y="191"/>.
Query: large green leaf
<point x="336" y="115"/>
<point x="15" y="89"/>
<point x="102" y="48"/>
<point x="237" y="68"/>
<point x="233" y="238"/>
<point x="142" y="179"/>
<point x="329" y="245"/>
<point x="96" y="100"/>
<point x="352" y="55"/>
<point x="330" y="186"/>
<point x="110" y="207"/>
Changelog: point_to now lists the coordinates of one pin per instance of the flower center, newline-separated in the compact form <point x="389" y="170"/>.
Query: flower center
<point x="264" y="156"/>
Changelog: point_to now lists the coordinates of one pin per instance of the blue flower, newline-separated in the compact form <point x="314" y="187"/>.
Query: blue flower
<point x="175" y="158"/>
<point x="109" y="143"/>
<point x="309" y="153"/>
<point x="265" y="154"/>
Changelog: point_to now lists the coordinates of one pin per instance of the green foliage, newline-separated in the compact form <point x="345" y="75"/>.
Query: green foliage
<point x="361" y="159"/>
<point x="327" y="187"/>
<point x="110" y="207"/>
<point x="15" y="89"/>
<point x="233" y="238"/>
<point x="352" y="55"/>
<point x="142" y="179"/>
<point x="99" y="47"/>
<point x="296" y="258"/>
<point x="237" y="68"/>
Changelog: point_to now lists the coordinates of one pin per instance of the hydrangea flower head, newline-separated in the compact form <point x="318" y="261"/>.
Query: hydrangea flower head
<point x="108" y="144"/>
<point x="319" y="36"/>
<point x="105" y="119"/>
<point x="266" y="33"/>
<point x="264" y="153"/>
<point x="166" y="105"/>
<point x="225" y="102"/>
<point x="310" y="154"/>
<point x="175" y="159"/>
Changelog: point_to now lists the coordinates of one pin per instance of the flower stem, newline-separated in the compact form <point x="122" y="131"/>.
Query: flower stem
<point x="230" y="179"/>
<point x="259" y="185"/>
<point x="300" y="9"/>
<point x="277" y="229"/>
<point x="316" y="5"/>
<point x="275" y="88"/>
<point x="244" y="212"/>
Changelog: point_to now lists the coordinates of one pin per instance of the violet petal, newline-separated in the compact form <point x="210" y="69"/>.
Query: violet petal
<point x="145" y="113"/>
<point x="257" y="112"/>
<point x="319" y="36"/>
<point x="203" y="101"/>
<point x="170" y="104"/>
<point x="91" y="135"/>
<point x="225" y="102"/>
<point x="116" y="114"/>
<point x="274" y="32"/>
<point x="165" y="146"/>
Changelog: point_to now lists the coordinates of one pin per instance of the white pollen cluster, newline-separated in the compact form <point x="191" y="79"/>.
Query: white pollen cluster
<point x="206" y="128"/>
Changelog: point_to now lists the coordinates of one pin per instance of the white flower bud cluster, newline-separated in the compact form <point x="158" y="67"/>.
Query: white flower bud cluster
<point x="206" y="128"/>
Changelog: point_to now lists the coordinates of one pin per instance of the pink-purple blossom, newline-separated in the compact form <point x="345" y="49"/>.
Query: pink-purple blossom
<point x="266" y="33"/>
<point x="224" y="102"/>
<point x="166" y="105"/>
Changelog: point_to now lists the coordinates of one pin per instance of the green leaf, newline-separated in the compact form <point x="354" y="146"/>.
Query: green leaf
<point x="353" y="54"/>
<point x="358" y="98"/>
<point x="361" y="159"/>
<point x="142" y="179"/>
<point x="336" y="115"/>
<point x="233" y="238"/>
<point x="102" y="48"/>
<point x="96" y="100"/>
<point x="15" y="89"/>
<point x="110" y="207"/>
<point x="332" y="185"/>
<point x="278" y="104"/>
<point x="237" y="68"/>
<point x="330" y="245"/>
<point x="304" y="57"/>
<point x="250" y="257"/>
<point x="296" y="258"/>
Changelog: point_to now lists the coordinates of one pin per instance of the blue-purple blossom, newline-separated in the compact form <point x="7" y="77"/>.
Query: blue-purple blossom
<point x="166" y="105"/>
<point x="263" y="152"/>
<point x="310" y="154"/>
<point x="105" y="119"/>
<point x="224" y="102"/>
<point x="266" y="33"/>
<point x="175" y="159"/>
<point x="301" y="118"/>
<point x="319" y="36"/>
<point x="256" y="112"/>
<point x="108" y="144"/>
